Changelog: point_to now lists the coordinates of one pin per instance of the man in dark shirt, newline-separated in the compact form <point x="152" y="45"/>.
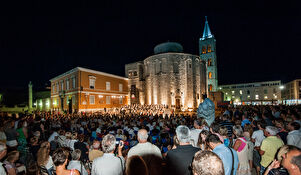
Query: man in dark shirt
<point x="178" y="160"/>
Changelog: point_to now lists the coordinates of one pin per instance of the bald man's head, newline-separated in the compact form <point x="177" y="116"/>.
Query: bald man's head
<point x="142" y="135"/>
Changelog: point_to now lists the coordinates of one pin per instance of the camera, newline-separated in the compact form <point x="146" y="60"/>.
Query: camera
<point x="119" y="143"/>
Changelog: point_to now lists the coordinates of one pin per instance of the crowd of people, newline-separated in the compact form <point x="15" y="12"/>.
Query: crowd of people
<point x="243" y="140"/>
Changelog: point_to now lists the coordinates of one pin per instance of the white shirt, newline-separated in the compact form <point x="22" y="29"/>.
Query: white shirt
<point x="75" y="164"/>
<point x="49" y="164"/>
<point x="71" y="144"/>
<point x="294" y="138"/>
<point x="258" y="136"/>
<point x="143" y="149"/>
<point x="194" y="134"/>
<point x="52" y="136"/>
<point x="108" y="164"/>
<point x="2" y="170"/>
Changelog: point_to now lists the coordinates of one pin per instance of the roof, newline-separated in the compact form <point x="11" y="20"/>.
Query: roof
<point x="207" y="32"/>
<point x="168" y="47"/>
<point x="87" y="70"/>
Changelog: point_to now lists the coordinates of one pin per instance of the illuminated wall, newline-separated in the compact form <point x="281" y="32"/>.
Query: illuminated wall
<point x="168" y="77"/>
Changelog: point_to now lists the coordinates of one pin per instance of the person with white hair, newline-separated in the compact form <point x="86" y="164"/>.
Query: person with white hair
<point x="149" y="152"/>
<point x="269" y="147"/>
<point x="109" y="164"/>
<point x="144" y="147"/>
<point x="207" y="162"/>
<point x="178" y="160"/>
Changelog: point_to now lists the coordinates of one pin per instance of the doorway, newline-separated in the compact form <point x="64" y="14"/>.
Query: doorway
<point x="70" y="106"/>
<point x="178" y="104"/>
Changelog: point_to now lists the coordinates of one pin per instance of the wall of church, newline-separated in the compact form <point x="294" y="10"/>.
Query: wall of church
<point x="173" y="79"/>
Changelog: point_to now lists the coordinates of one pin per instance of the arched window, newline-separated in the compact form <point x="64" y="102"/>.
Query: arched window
<point x="203" y="50"/>
<point x="210" y="62"/>
<point x="210" y="75"/>
<point x="210" y="88"/>
<point x="209" y="48"/>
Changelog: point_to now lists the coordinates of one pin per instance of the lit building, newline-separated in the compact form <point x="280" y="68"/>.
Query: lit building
<point x="268" y="92"/>
<point x="82" y="89"/>
<point x="291" y="93"/>
<point x="207" y="49"/>
<point x="41" y="100"/>
<point x="169" y="77"/>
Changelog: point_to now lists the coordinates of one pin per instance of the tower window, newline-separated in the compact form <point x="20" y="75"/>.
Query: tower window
<point x="210" y="88"/>
<point x="210" y="62"/>
<point x="209" y="48"/>
<point x="210" y="75"/>
<point x="203" y="50"/>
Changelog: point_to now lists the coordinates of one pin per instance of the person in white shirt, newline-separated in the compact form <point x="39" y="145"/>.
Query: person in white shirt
<point x="73" y="140"/>
<point x="257" y="138"/>
<point x="3" y="151"/>
<point x="109" y="164"/>
<point x="149" y="152"/>
<point x="195" y="133"/>
<point x="144" y="147"/>
<point x="294" y="136"/>
<point x="53" y="136"/>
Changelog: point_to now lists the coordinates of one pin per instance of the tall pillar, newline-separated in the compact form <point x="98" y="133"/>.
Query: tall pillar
<point x="30" y="96"/>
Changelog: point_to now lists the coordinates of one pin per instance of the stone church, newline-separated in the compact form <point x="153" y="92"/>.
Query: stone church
<point x="172" y="77"/>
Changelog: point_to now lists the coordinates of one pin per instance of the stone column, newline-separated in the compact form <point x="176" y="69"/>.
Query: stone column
<point x="30" y="96"/>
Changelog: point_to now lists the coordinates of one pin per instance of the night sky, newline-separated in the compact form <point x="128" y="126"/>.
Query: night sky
<point x="256" y="41"/>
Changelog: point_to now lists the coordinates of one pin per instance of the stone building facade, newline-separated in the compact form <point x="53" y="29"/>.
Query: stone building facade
<point x="291" y="92"/>
<point x="169" y="77"/>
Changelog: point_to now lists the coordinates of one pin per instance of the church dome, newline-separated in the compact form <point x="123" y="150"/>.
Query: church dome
<point x="168" y="47"/>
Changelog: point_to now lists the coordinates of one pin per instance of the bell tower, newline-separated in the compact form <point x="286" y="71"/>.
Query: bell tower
<point x="207" y="49"/>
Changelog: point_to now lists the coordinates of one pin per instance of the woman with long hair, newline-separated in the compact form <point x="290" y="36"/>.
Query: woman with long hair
<point x="44" y="160"/>
<point x="136" y="166"/>
<point x="202" y="139"/>
<point x="60" y="159"/>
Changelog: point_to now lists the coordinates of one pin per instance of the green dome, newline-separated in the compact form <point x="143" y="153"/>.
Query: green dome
<point x="168" y="47"/>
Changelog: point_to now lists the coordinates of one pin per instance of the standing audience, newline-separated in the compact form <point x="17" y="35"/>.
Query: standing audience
<point x="139" y="139"/>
